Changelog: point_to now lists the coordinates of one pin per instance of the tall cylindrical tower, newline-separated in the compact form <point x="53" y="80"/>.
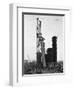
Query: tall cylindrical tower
<point x="54" y="45"/>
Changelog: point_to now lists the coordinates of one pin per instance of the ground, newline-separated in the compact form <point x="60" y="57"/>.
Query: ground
<point x="34" y="68"/>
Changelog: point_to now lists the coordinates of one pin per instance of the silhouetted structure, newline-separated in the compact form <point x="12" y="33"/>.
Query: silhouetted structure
<point x="51" y="55"/>
<point x="54" y="45"/>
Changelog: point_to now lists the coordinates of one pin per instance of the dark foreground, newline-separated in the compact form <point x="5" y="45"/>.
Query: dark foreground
<point x="34" y="68"/>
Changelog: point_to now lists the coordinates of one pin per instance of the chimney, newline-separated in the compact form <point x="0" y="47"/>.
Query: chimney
<point x="54" y="46"/>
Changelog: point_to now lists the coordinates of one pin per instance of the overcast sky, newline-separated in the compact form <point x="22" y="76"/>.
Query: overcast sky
<point x="51" y="26"/>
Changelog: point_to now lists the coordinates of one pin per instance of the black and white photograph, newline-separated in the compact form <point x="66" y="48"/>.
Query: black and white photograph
<point x="42" y="43"/>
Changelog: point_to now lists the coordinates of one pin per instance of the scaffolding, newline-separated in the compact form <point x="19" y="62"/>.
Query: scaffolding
<point x="40" y="44"/>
